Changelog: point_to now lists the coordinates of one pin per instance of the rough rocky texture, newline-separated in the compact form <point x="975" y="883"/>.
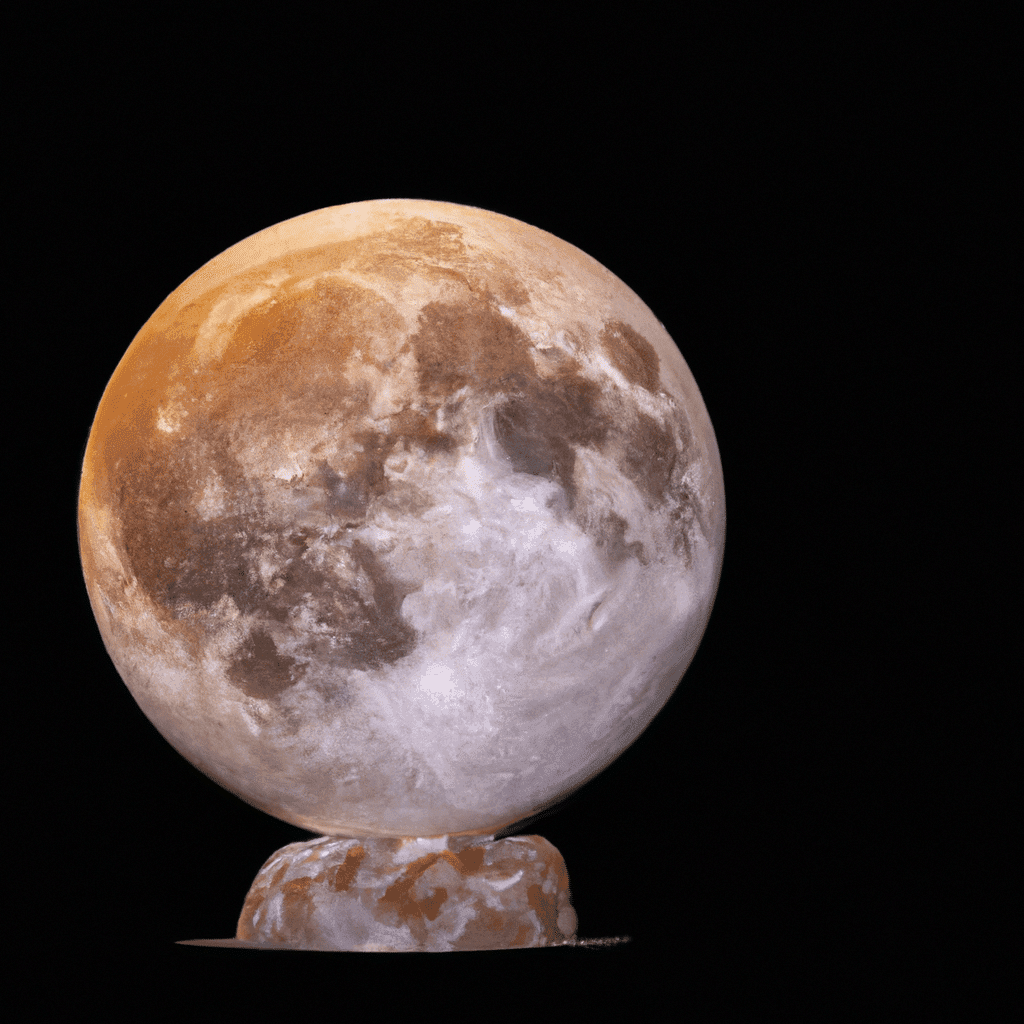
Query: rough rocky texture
<point x="430" y="895"/>
<point x="402" y="518"/>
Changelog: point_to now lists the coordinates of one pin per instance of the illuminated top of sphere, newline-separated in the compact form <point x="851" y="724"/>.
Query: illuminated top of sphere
<point x="402" y="518"/>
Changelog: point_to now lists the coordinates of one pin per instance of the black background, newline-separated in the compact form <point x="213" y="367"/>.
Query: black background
<point x="773" y="838"/>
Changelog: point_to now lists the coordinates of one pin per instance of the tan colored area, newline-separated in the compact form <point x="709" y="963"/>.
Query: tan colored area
<point x="461" y="894"/>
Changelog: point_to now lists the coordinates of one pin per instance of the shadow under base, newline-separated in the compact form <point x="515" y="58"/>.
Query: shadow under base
<point x="240" y="944"/>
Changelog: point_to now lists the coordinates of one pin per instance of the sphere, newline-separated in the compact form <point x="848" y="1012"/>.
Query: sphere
<point x="402" y="518"/>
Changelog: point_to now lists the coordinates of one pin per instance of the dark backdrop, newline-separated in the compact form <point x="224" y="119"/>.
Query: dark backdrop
<point x="759" y="842"/>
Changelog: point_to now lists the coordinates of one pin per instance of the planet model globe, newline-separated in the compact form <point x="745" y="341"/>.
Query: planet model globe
<point x="402" y="518"/>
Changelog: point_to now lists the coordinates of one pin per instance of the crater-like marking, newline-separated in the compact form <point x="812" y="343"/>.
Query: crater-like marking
<point x="260" y="670"/>
<point x="632" y="355"/>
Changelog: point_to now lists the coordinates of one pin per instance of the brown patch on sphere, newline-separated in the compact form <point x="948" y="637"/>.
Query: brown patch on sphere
<point x="260" y="670"/>
<point x="467" y="343"/>
<point x="632" y="355"/>
<point x="543" y="422"/>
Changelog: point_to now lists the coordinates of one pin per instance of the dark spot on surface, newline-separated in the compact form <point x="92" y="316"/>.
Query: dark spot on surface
<point x="182" y="560"/>
<point x="341" y="876"/>
<point x="296" y="889"/>
<point x="358" y="611"/>
<point x="339" y="498"/>
<point x="295" y="544"/>
<point x="471" y="859"/>
<point x="686" y="518"/>
<point x="520" y="426"/>
<point x="467" y="343"/>
<point x="650" y="457"/>
<point x="400" y="898"/>
<point x="298" y="577"/>
<point x="655" y="459"/>
<point x="513" y="293"/>
<point x="211" y="560"/>
<point x="296" y="903"/>
<point x="375" y="632"/>
<point x="431" y="905"/>
<point x="260" y="670"/>
<point x="610" y="537"/>
<point x="346" y="497"/>
<point x="420" y="431"/>
<point x="542" y="422"/>
<point x="348" y="494"/>
<point x="632" y="355"/>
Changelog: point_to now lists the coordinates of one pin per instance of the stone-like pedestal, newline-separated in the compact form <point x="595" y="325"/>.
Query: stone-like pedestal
<point x="402" y="895"/>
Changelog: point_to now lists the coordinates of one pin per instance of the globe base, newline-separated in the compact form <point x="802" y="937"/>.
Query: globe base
<point x="436" y="894"/>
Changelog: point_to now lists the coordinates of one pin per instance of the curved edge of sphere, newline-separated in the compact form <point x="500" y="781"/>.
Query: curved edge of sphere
<point x="402" y="518"/>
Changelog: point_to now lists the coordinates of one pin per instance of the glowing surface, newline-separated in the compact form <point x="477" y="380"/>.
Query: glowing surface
<point x="402" y="518"/>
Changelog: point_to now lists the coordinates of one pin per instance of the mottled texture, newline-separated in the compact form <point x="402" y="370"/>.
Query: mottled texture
<point x="429" y="895"/>
<point x="402" y="518"/>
